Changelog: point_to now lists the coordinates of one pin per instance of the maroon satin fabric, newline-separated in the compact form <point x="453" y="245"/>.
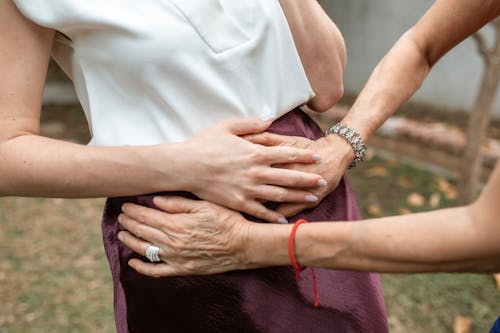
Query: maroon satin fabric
<point x="260" y="300"/>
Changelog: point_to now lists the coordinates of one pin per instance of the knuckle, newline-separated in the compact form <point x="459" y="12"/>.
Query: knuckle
<point x="142" y="216"/>
<point x="239" y="201"/>
<point x="258" y="156"/>
<point x="250" y="173"/>
<point x="139" y="233"/>
<point x="281" y="196"/>
<point x="255" y="174"/>
<point x="265" y="213"/>
<point x="292" y="156"/>
<point x="295" y="180"/>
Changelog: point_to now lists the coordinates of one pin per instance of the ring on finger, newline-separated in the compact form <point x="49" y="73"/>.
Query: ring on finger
<point x="153" y="253"/>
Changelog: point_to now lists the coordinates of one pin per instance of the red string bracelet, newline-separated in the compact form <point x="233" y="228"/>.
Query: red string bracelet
<point x="296" y="266"/>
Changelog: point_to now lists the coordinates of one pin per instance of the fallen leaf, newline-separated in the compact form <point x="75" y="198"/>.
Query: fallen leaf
<point x="449" y="191"/>
<point x="415" y="200"/>
<point x="405" y="182"/>
<point x="497" y="279"/>
<point x="434" y="200"/>
<point x="463" y="324"/>
<point x="376" y="171"/>
<point x="404" y="211"/>
<point x="374" y="209"/>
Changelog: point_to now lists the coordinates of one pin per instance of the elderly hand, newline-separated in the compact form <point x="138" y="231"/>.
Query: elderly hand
<point x="194" y="237"/>
<point x="228" y="170"/>
<point x="336" y="155"/>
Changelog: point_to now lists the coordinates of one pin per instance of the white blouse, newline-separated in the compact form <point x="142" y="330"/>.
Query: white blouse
<point x="154" y="71"/>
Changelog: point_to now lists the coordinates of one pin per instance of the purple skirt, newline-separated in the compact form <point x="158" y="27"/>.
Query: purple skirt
<point x="259" y="300"/>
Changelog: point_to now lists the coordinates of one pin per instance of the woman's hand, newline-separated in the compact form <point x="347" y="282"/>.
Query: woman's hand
<point x="194" y="237"/>
<point x="226" y="169"/>
<point x="336" y="155"/>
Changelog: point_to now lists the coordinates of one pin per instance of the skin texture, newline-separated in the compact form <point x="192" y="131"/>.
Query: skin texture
<point x="459" y="239"/>
<point x="321" y="49"/>
<point x="199" y="238"/>
<point x="240" y="173"/>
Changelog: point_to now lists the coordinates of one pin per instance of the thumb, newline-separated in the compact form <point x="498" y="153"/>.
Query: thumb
<point x="265" y="139"/>
<point x="290" y="209"/>
<point x="176" y="205"/>
<point x="247" y="126"/>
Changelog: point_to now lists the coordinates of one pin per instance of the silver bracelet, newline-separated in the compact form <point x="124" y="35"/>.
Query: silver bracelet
<point x="353" y="138"/>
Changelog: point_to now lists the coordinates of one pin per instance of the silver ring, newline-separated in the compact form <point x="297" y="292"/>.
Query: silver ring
<point x="153" y="253"/>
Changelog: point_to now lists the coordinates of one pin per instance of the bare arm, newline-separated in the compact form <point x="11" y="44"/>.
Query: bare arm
<point x="202" y="238"/>
<point x="401" y="72"/>
<point x="463" y="239"/>
<point x="216" y="165"/>
<point x="321" y="49"/>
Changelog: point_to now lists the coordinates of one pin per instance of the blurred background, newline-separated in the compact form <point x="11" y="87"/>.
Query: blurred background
<point x="53" y="273"/>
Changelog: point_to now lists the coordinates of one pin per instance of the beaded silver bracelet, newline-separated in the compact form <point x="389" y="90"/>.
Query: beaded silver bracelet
<point x="353" y="138"/>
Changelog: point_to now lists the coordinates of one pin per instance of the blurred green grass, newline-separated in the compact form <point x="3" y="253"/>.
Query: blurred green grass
<point x="422" y="302"/>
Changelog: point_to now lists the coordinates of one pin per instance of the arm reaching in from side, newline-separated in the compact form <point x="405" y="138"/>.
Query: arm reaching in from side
<point x="200" y="238"/>
<point x="402" y="71"/>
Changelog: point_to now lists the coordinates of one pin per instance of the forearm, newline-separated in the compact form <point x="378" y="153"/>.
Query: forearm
<point x="440" y="241"/>
<point x="31" y="165"/>
<point x="397" y="77"/>
<point x="321" y="49"/>
<point x="404" y="68"/>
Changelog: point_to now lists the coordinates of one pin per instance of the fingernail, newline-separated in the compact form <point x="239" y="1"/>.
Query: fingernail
<point x="120" y="218"/>
<point x="311" y="198"/>
<point x="322" y="182"/>
<point x="316" y="157"/>
<point x="282" y="220"/>
<point x="119" y="236"/>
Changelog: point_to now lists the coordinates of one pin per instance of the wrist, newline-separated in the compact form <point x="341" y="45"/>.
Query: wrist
<point x="266" y="245"/>
<point x="169" y="166"/>
<point x="353" y="138"/>
<point x="340" y="149"/>
<point x="364" y="121"/>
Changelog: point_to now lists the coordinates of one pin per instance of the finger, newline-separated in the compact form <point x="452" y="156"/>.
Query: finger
<point x="280" y="194"/>
<point x="157" y="270"/>
<point x="140" y="230"/>
<point x="145" y="215"/>
<point x="290" y="178"/>
<point x="151" y="217"/>
<point x="258" y="210"/>
<point x="266" y="139"/>
<point x="290" y="209"/>
<point x="281" y="154"/>
<point x="176" y="205"/>
<point x="132" y="242"/>
<point x="246" y="126"/>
